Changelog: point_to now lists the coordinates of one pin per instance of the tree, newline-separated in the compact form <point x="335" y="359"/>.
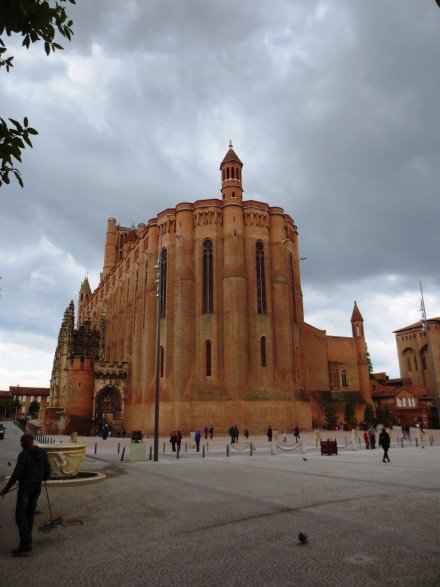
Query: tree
<point x="330" y="414"/>
<point x="349" y="412"/>
<point x="34" y="20"/>
<point x="370" y="364"/>
<point x="34" y="408"/>
<point x="369" y="415"/>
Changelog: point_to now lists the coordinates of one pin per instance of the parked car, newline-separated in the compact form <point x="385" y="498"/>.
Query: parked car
<point x="2" y="431"/>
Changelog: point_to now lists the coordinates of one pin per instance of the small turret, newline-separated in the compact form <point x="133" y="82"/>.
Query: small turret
<point x="357" y="324"/>
<point x="85" y="293"/>
<point x="230" y="167"/>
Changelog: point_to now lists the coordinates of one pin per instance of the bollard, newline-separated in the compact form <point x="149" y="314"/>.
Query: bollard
<point x="417" y="443"/>
<point x="96" y="446"/>
<point x="178" y="451"/>
<point x="151" y="452"/>
<point x="163" y="448"/>
<point x="186" y="446"/>
<point x="251" y="448"/>
<point x="203" y="451"/>
<point x="430" y="440"/>
<point x="401" y="442"/>
<point x="207" y="447"/>
<point x="345" y="440"/>
<point x="119" y="447"/>
<point x="227" y="450"/>
<point x="123" y="453"/>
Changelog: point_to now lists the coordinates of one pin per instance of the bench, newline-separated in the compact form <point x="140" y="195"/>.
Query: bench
<point x="329" y="447"/>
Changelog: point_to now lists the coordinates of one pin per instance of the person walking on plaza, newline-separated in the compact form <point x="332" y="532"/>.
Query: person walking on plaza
<point x="178" y="439"/>
<point x="206" y="430"/>
<point x="246" y="435"/>
<point x="197" y="437"/>
<point x="366" y="440"/>
<point x="269" y="434"/>
<point x="372" y="437"/>
<point x="173" y="440"/>
<point x="31" y="470"/>
<point x="232" y="434"/>
<point x="296" y="433"/>
<point x="384" y="442"/>
<point x="211" y="432"/>
<point x="236" y="432"/>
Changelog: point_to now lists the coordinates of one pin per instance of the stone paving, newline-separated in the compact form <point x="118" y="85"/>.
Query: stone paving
<point x="234" y="520"/>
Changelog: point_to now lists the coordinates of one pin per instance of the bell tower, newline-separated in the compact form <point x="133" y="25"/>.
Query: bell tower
<point x="357" y="325"/>
<point x="230" y="168"/>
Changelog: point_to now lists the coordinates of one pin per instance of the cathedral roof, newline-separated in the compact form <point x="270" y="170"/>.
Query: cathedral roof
<point x="231" y="155"/>
<point x="356" y="316"/>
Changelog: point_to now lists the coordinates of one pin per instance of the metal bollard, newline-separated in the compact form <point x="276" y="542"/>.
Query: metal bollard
<point x="178" y="451"/>
<point x="163" y="448"/>
<point x="417" y="443"/>
<point x="227" y="450"/>
<point x="119" y="447"/>
<point x="401" y="442"/>
<point x="186" y="446"/>
<point x="430" y="440"/>
<point x="203" y="451"/>
<point x="123" y="453"/>
<point x="251" y="448"/>
<point x="207" y="447"/>
<point x="151" y="452"/>
<point x="96" y="446"/>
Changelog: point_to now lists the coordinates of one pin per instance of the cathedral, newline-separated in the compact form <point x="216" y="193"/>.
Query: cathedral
<point x="203" y="304"/>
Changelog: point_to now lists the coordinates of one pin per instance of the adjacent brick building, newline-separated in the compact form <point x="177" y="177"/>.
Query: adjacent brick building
<point x="234" y="347"/>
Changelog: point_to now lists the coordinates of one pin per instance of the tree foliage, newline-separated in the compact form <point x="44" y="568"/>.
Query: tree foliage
<point x="34" y="407"/>
<point x="369" y="415"/>
<point x="349" y="413"/>
<point x="34" y="20"/>
<point x="330" y="415"/>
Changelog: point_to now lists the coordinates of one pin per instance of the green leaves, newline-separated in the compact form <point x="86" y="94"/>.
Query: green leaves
<point x="34" y="20"/>
<point x="13" y="139"/>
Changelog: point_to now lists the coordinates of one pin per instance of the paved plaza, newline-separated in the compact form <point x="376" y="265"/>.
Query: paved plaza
<point x="234" y="520"/>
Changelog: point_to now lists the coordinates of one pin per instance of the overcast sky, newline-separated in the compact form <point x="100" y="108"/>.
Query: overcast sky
<point x="333" y="107"/>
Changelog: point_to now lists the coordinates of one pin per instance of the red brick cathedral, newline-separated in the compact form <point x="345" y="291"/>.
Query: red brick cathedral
<point x="233" y="345"/>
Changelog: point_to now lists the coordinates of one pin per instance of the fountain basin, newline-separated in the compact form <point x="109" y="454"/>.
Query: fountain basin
<point x="65" y="459"/>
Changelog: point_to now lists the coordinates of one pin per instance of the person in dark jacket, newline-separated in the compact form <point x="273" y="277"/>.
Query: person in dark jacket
<point x="31" y="470"/>
<point x="197" y="437"/>
<point x="384" y="442"/>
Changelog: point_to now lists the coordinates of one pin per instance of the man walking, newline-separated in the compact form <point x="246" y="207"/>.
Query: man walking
<point x="384" y="442"/>
<point x="31" y="470"/>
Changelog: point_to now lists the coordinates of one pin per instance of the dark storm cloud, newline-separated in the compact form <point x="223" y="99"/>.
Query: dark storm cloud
<point x="331" y="107"/>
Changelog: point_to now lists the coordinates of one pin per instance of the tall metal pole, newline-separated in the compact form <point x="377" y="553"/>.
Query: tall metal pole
<point x="431" y="354"/>
<point x="158" y="357"/>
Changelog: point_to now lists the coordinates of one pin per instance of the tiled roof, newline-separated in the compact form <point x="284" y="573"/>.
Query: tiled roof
<point x="19" y="390"/>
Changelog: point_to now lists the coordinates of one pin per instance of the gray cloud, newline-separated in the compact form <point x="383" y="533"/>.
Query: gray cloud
<point x="332" y="107"/>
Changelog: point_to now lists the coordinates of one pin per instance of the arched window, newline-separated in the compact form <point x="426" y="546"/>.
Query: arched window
<point x="208" y="280"/>
<point x="409" y="363"/>
<point x="208" y="358"/>
<point x="261" y="282"/>
<point x="163" y="283"/>
<point x="227" y="173"/>
<point x="223" y="174"/>
<point x="263" y="351"/>
<point x="162" y="361"/>
<point x="232" y="172"/>
<point x="344" y="378"/>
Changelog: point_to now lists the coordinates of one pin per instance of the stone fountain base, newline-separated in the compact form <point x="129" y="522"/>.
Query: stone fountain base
<point x="65" y="459"/>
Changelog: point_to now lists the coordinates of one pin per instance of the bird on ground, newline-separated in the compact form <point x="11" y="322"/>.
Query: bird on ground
<point x="304" y="459"/>
<point x="302" y="538"/>
<point x="9" y="463"/>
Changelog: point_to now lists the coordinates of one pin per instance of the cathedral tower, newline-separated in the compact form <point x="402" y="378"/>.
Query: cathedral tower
<point x="357" y="325"/>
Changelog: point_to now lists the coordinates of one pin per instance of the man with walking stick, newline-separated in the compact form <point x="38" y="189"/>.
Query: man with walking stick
<point x="31" y="470"/>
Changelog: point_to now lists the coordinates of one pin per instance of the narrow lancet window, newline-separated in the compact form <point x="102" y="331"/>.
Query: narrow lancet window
<point x="261" y="282"/>
<point x="163" y="283"/>
<point x="263" y="351"/>
<point x="208" y="282"/>
<point x="208" y="358"/>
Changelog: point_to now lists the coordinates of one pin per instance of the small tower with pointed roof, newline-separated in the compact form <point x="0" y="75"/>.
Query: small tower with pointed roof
<point x="85" y="293"/>
<point x="357" y="325"/>
<point x="230" y="168"/>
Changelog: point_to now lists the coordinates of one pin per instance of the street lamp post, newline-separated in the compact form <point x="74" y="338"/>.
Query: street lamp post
<point x="431" y="354"/>
<point x="158" y="357"/>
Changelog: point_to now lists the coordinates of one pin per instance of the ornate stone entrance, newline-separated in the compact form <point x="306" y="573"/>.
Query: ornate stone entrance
<point x="108" y="405"/>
